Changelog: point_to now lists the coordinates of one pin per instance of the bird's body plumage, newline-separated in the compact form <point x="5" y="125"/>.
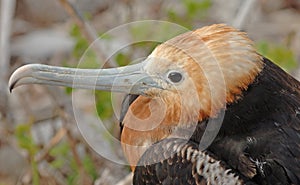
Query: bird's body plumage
<point x="263" y="128"/>
<point x="259" y="137"/>
<point x="178" y="161"/>
<point x="188" y="85"/>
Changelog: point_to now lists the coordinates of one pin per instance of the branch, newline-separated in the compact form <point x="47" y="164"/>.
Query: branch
<point x="127" y="180"/>
<point x="7" y="12"/>
<point x="88" y="31"/>
<point x="239" y="21"/>
<point x="53" y="142"/>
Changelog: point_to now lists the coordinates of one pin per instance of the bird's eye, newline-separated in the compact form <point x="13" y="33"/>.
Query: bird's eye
<point x="175" y="77"/>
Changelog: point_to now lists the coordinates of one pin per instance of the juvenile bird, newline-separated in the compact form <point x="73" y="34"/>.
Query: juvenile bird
<point x="203" y="108"/>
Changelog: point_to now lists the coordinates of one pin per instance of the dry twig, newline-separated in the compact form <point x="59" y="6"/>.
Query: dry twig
<point x="88" y="31"/>
<point x="244" y="10"/>
<point x="127" y="180"/>
<point x="53" y="142"/>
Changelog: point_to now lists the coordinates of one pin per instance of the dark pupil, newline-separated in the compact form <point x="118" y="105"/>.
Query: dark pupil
<point x="175" y="77"/>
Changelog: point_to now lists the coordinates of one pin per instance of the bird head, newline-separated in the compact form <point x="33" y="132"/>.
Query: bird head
<point x="184" y="80"/>
<point x="203" y="69"/>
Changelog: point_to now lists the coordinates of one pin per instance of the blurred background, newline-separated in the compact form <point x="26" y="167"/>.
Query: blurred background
<point x="40" y="142"/>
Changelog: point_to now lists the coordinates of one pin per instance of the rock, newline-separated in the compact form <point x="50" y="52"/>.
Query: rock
<point x="12" y="163"/>
<point x="41" y="44"/>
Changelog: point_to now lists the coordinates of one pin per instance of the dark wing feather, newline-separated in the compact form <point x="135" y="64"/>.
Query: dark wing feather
<point x="177" y="161"/>
<point x="278" y="137"/>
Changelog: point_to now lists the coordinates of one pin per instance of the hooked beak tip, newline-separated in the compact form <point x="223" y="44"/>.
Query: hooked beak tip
<point x="11" y="86"/>
<point x="17" y="75"/>
<point x="10" y="89"/>
<point x="12" y="83"/>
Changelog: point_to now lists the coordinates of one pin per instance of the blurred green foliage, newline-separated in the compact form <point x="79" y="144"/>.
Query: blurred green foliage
<point x="122" y="59"/>
<point x="60" y="153"/>
<point x="89" y="167"/>
<point x="195" y="10"/>
<point x="24" y="138"/>
<point x="25" y="141"/>
<point x="150" y="35"/>
<point x="63" y="160"/>
<point x="103" y="104"/>
<point x="81" y="44"/>
<point x="279" y="54"/>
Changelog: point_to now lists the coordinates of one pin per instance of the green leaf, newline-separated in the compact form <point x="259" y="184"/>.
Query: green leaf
<point x="194" y="10"/>
<point x="68" y="90"/>
<point x="25" y="139"/>
<point x="103" y="104"/>
<point x="122" y="59"/>
<point x="73" y="178"/>
<point x="61" y="149"/>
<point x="81" y="43"/>
<point x="279" y="54"/>
<point x="181" y="20"/>
<point x="89" y="167"/>
<point x="61" y="155"/>
<point x="89" y="60"/>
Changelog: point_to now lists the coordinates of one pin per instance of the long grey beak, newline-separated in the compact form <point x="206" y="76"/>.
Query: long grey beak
<point x="129" y="79"/>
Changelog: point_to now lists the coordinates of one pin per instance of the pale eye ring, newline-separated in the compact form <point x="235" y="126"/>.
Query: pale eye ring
<point x="175" y="77"/>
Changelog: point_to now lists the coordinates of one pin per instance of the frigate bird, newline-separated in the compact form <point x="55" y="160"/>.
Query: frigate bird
<point x="206" y="77"/>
